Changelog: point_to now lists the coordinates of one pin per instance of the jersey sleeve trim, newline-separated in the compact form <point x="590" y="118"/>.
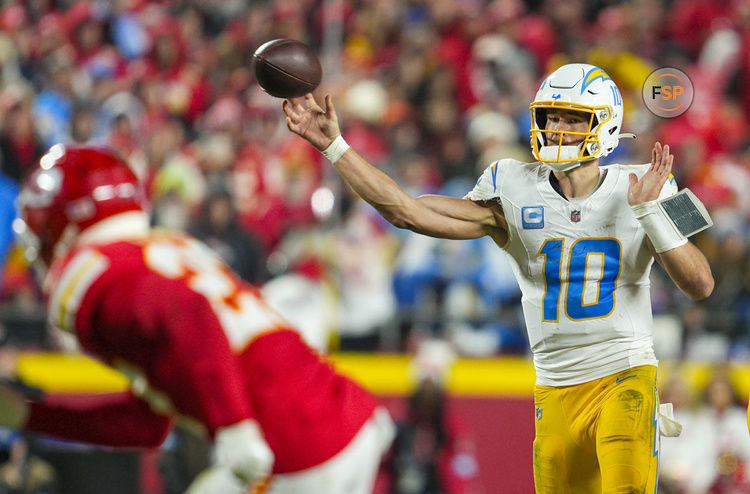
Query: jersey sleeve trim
<point x="78" y="277"/>
<point x="489" y="184"/>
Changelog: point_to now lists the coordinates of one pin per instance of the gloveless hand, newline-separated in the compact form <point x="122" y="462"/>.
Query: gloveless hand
<point x="319" y="127"/>
<point x="650" y="185"/>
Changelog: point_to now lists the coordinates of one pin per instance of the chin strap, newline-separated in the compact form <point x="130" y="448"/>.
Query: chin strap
<point x="563" y="167"/>
<point x="569" y="165"/>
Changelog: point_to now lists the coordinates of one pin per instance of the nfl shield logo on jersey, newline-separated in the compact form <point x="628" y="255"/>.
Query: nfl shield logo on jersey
<point x="575" y="215"/>
<point x="539" y="413"/>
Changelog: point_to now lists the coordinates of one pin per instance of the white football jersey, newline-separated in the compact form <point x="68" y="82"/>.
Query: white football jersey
<point x="583" y="267"/>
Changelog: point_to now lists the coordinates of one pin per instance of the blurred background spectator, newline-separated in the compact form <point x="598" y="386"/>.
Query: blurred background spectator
<point x="434" y="450"/>
<point x="216" y="225"/>
<point x="25" y="473"/>
<point x="713" y="452"/>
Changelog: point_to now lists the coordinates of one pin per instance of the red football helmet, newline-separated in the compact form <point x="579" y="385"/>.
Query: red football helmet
<point x="71" y="189"/>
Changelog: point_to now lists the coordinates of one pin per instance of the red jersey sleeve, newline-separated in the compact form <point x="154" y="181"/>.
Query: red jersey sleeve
<point x="118" y="420"/>
<point x="140" y="307"/>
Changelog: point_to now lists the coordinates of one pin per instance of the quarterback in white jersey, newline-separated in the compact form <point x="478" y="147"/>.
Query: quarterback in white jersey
<point x="583" y="267"/>
<point x="582" y="239"/>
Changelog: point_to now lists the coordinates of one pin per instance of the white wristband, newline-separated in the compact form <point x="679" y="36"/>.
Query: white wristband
<point x="662" y="232"/>
<point x="336" y="150"/>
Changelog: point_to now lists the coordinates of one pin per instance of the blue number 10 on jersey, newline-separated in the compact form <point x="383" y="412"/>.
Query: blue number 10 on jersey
<point x="609" y="250"/>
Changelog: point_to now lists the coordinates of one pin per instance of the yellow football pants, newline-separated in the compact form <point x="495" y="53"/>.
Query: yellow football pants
<point x="598" y="437"/>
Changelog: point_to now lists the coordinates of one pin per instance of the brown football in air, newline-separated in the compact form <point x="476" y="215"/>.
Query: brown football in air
<point x="286" y="68"/>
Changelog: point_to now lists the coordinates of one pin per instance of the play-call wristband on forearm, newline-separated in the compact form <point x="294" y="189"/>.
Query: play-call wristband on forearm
<point x="669" y="222"/>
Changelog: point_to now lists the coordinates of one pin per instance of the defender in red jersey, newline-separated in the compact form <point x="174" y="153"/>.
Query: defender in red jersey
<point x="165" y="310"/>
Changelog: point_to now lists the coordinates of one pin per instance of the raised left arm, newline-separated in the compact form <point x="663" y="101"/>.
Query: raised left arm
<point x="685" y="264"/>
<point x="688" y="268"/>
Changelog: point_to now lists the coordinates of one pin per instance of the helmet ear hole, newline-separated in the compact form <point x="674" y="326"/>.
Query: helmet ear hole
<point x="540" y="119"/>
<point x="590" y="149"/>
<point x="613" y="130"/>
<point x="540" y="115"/>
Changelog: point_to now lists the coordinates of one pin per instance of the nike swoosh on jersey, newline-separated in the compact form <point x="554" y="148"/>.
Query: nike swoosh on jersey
<point x="623" y="379"/>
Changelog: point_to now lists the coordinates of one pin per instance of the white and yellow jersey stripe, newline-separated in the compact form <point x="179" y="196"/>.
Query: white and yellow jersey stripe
<point x="77" y="277"/>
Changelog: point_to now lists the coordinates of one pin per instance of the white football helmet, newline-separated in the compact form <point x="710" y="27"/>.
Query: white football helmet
<point x="582" y="88"/>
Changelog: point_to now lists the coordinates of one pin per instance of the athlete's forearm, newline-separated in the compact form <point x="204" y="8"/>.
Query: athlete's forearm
<point x="689" y="269"/>
<point x="375" y="187"/>
<point x="117" y="420"/>
<point x="436" y="216"/>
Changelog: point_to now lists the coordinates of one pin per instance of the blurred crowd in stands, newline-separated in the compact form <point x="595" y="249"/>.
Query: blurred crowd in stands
<point x="430" y="91"/>
<point x="713" y="452"/>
